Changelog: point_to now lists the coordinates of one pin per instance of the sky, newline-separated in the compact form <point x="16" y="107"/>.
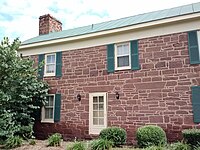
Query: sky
<point x="20" y="18"/>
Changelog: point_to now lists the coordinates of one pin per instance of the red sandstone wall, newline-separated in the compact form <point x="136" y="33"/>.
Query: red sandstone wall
<point x="158" y="94"/>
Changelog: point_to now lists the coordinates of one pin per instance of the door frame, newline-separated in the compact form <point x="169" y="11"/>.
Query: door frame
<point x="95" y="129"/>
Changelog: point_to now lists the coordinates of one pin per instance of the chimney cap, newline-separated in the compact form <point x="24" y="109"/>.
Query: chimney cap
<point x="49" y="16"/>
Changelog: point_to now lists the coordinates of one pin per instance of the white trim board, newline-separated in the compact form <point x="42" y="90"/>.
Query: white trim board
<point x="156" y="30"/>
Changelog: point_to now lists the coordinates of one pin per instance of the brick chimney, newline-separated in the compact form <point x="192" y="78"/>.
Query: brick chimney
<point x="48" y="24"/>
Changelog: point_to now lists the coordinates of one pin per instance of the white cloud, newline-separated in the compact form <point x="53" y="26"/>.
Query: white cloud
<point x="72" y="13"/>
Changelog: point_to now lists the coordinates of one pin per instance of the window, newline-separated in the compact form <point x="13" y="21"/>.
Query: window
<point x="98" y="112"/>
<point x="48" y="109"/>
<point x="50" y="64"/>
<point x="122" y="56"/>
<point x="53" y="65"/>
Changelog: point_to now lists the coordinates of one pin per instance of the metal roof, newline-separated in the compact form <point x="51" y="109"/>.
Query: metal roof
<point x="119" y="23"/>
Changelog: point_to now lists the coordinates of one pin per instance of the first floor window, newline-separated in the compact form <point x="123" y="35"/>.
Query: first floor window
<point x="98" y="112"/>
<point x="122" y="56"/>
<point x="48" y="109"/>
<point x="50" y="64"/>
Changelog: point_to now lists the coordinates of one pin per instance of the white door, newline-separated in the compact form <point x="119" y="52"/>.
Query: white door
<point x="97" y="112"/>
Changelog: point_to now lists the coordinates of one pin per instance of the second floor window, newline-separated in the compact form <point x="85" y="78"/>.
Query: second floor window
<point x="50" y="64"/>
<point x="122" y="56"/>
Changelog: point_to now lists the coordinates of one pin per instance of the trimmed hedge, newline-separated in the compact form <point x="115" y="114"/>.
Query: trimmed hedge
<point x="115" y="134"/>
<point x="192" y="136"/>
<point x="150" y="135"/>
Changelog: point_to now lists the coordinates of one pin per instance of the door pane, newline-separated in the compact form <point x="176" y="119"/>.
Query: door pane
<point x="100" y="99"/>
<point x="95" y="106"/>
<point x="95" y="121"/>
<point x="101" y="121"/>
<point x="95" y="100"/>
<point x="101" y="107"/>
<point x="101" y="113"/>
<point x="95" y="114"/>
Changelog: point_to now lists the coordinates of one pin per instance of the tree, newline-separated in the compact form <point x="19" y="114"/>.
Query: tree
<point x="21" y="92"/>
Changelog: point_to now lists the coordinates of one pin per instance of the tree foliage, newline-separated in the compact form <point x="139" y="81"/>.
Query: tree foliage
<point x="20" y="92"/>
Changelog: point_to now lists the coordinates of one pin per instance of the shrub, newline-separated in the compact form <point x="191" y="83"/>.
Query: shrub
<point x="196" y="147"/>
<point x="32" y="142"/>
<point x="150" y="135"/>
<point x="101" y="144"/>
<point x="54" y="140"/>
<point x="13" y="141"/>
<point x="191" y="136"/>
<point x="179" y="146"/>
<point x="115" y="134"/>
<point x="21" y="93"/>
<point x="77" y="146"/>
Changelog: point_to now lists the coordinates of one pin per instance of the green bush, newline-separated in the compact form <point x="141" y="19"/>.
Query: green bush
<point x="14" y="141"/>
<point x="115" y="134"/>
<point x="32" y="142"/>
<point x="191" y="136"/>
<point x="150" y="135"/>
<point x="21" y="93"/>
<point x="54" y="140"/>
<point x="77" y="146"/>
<point x="179" y="146"/>
<point x="101" y="144"/>
<point x="196" y="148"/>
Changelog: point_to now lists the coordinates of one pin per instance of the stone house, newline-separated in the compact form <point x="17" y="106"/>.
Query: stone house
<point x="129" y="72"/>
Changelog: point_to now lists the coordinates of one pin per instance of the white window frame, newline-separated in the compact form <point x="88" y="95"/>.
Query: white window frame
<point x="43" y="120"/>
<point x="95" y="129"/>
<point x="116" y="56"/>
<point x="45" y="66"/>
<point x="198" y="38"/>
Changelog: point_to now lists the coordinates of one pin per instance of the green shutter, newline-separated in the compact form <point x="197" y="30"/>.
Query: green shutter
<point x="110" y="58"/>
<point x="37" y="114"/>
<point x="134" y="55"/>
<point x="57" y="107"/>
<point x="196" y="103"/>
<point x="58" y="64"/>
<point x="193" y="47"/>
<point x="40" y="66"/>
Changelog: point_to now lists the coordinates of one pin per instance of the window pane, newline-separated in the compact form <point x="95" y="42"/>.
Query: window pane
<point x="101" y="113"/>
<point x="95" y="100"/>
<point x="123" y="49"/>
<point x="101" y="121"/>
<point x="95" y="106"/>
<point x="100" y="106"/>
<point x="123" y="61"/>
<point x="100" y="99"/>
<point x="49" y="101"/>
<point x="48" y="113"/>
<point x="95" y="121"/>
<point x="50" y="68"/>
<point x="50" y="59"/>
